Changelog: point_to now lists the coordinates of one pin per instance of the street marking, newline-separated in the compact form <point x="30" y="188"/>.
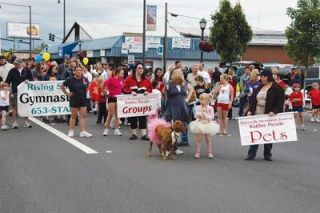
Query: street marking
<point x="63" y="136"/>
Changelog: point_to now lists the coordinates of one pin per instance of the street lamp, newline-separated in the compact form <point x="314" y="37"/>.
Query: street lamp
<point x="203" y="24"/>
<point x="64" y="18"/>
<point x="30" y="28"/>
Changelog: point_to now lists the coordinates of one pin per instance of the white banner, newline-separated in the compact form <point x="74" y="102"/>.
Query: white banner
<point x="263" y="129"/>
<point x="21" y="30"/>
<point x="181" y="43"/>
<point x="134" y="44"/>
<point x="133" y="106"/>
<point x="42" y="98"/>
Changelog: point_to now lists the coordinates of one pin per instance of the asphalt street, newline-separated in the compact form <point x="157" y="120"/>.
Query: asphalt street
<point x="40" y="172"/>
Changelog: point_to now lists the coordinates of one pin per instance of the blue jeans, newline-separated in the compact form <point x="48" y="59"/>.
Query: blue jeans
<point x="242" y="104"/>
<point x="184" y="136"/>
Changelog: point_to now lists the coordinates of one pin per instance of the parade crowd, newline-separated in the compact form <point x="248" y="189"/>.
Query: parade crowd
<point x="197" y="95"/>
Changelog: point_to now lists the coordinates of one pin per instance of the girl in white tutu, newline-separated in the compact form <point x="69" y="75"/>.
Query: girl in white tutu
<point x="204" y="126"/>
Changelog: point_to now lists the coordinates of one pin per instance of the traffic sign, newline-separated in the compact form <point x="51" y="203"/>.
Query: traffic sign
<point x="160" y="49"/>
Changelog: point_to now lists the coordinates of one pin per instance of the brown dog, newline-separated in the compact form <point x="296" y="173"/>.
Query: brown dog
<point x="168" y="137"/>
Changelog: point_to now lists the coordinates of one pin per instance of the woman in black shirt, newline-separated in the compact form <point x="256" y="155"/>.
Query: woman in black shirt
<point x="78" y="86"/>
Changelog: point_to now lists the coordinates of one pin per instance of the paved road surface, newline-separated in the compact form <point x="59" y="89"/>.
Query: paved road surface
<point x="40" y="172"/>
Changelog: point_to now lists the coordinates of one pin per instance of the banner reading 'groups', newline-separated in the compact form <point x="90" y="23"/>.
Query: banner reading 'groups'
<point x="42" y="98"/>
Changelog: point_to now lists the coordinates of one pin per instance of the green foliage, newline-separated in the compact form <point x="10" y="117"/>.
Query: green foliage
<point x="230" y="32"/>
<point x="303" y="33"/>
<point x="40" y="47"/>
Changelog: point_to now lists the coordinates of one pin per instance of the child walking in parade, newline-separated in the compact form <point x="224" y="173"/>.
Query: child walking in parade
<point x="296" y="98"/>
<point x="4" y="104"/>
<point x="204" y="126"/>
<point x="314" y="94"/>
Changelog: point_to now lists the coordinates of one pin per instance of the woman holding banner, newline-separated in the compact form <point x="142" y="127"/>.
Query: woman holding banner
<point x="78" y="86"/>
<point x="268" y="98"/>
<point x="135" y="84"/>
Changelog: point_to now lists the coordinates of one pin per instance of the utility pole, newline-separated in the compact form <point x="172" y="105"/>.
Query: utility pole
<point x="144" y="33"/>
<point x="30" y="33"/>
<point x="165" y="38"/>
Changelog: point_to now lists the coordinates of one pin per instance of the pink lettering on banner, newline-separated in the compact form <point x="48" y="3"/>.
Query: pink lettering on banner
<point x="257" y="136"/>
<point x="143" y="110"/>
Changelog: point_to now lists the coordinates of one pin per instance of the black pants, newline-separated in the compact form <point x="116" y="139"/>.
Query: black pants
<point x="254" y="148"/>
<point x="102" y="112"/>
<point x="142" y="122"/>
<point x="242" y="105"/>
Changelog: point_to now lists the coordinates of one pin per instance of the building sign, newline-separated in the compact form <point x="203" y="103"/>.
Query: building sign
<point x="139" y="105"/>
<point x="151" y="17"/>
<point x="102" y="53"/>
<point x="153" y="42"/>
<point x="131" y="59"/>
<point x="264" y="129"/>
<point x="42" y="98"/>
<point x="134" y="44"/>
<point x="89" y="53"/>
<point x="22" y="30"/>
<point x="181" y="43"/>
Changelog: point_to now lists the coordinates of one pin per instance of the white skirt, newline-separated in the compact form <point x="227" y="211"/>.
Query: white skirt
<point x="200" y="127"/>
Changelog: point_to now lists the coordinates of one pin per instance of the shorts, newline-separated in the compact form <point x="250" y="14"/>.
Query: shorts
<point x="76" y="103"/>
<point x="315" y="106"/>
<point x="224" y="107"/>
<point x="297" y="109"/>
<point x="13" y="100"/>
<point x="4" y="108"/>
<point x="112" y="99"/>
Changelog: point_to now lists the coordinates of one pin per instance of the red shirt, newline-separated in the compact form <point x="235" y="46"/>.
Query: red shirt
<point x="93" y="90"/>
<point x="315" y="96"/>
<point x="296" y="95"/>
<point x="131" y="84"/>
<point x="114" y="86"/>
<point x="282" y="84"/>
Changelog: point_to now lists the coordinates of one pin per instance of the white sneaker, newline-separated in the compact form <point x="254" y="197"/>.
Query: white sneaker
<point x="179" y="152"/>
<point x="312" y="119"/>
<point x="318" y="120"/>
<point x="105" y="132"/>
<point x="27" y="124"/>
<point x="4" y="127"/>
<point x="303" y="127"/>
<point x="71" y="133"/>
<point x="14" y="125"/>
<point x="85" y="134"/>
<point x="117" y="132"/>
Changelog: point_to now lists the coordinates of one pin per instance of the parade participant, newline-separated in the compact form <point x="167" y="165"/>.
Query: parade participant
<point x="191" y="78"/>
<point x="204" y="73"/>
<point x="113" y="87"/>
<point x="69" y="71"/>
<point x="297" y="101"/>
<point x="314" y="94"/>
<point x="78" y="86"/>
<point x="204" y="126"/>
<point x="224" y="103"/>
<point x="268" y="98"/>
<point x="166" y="77"/>
<point x="16" y="76"/>
<point x="5" y="67"/>
<point x="200" y="87"/>
<point x="94" y="94"/>
<point x="102" y="102"/>
<point x="99" y="71"/>
<point x="52" y="74"/>
<point x="138" y="84"/>
<point x="158" y="76"/>
<point x="4" y="104"/>
<point x="253" y="83"/>
<point x="178" y="93"/>
<point x="242" y="85"/>
<point x="88" y="75"/>
<point x="278" y="80"/>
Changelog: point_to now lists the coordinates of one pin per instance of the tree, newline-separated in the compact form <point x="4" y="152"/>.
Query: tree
<point x="39" y="48"/>
<point x="230" y="32"/>
<point x="303" y="33"/>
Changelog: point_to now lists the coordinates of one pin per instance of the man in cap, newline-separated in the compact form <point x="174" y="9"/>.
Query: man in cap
<point x="17" y="75"/>
<point x="5" y="67"/>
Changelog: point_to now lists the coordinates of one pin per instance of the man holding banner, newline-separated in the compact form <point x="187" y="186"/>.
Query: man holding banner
<point x="268" y="98"/>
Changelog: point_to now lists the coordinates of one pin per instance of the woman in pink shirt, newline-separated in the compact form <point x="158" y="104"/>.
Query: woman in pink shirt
<point x="113" y="87"/>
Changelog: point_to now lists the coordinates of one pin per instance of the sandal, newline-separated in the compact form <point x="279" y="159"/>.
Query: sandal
<point x="226" y="134"/>
<point x="210" y="155"/>
<point x="133" y="137"/>
<point x="197" y="156"/>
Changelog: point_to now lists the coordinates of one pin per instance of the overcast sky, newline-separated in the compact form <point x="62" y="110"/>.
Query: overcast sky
<point x="267" y="14"/>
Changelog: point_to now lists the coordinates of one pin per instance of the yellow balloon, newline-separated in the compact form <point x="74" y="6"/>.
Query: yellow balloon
<point x="85" y="60"/>
<point x="6" y="55"/>
<point x="46" y="56"/>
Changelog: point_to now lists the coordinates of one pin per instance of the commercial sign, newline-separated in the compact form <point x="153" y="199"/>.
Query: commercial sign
<point x="181" y="43"/>
<point x="151" y="17"/>
<point x="139" y="105"/>
<point x="42" y="98"/>
<point x="264" y="129"/>
<point x="22" y="30"/>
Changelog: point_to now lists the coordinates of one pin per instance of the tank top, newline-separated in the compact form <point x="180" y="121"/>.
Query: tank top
<point x="224" y="95"/>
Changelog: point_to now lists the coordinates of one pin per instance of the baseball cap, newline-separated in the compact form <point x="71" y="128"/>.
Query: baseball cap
<point x="18" y="61"/>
